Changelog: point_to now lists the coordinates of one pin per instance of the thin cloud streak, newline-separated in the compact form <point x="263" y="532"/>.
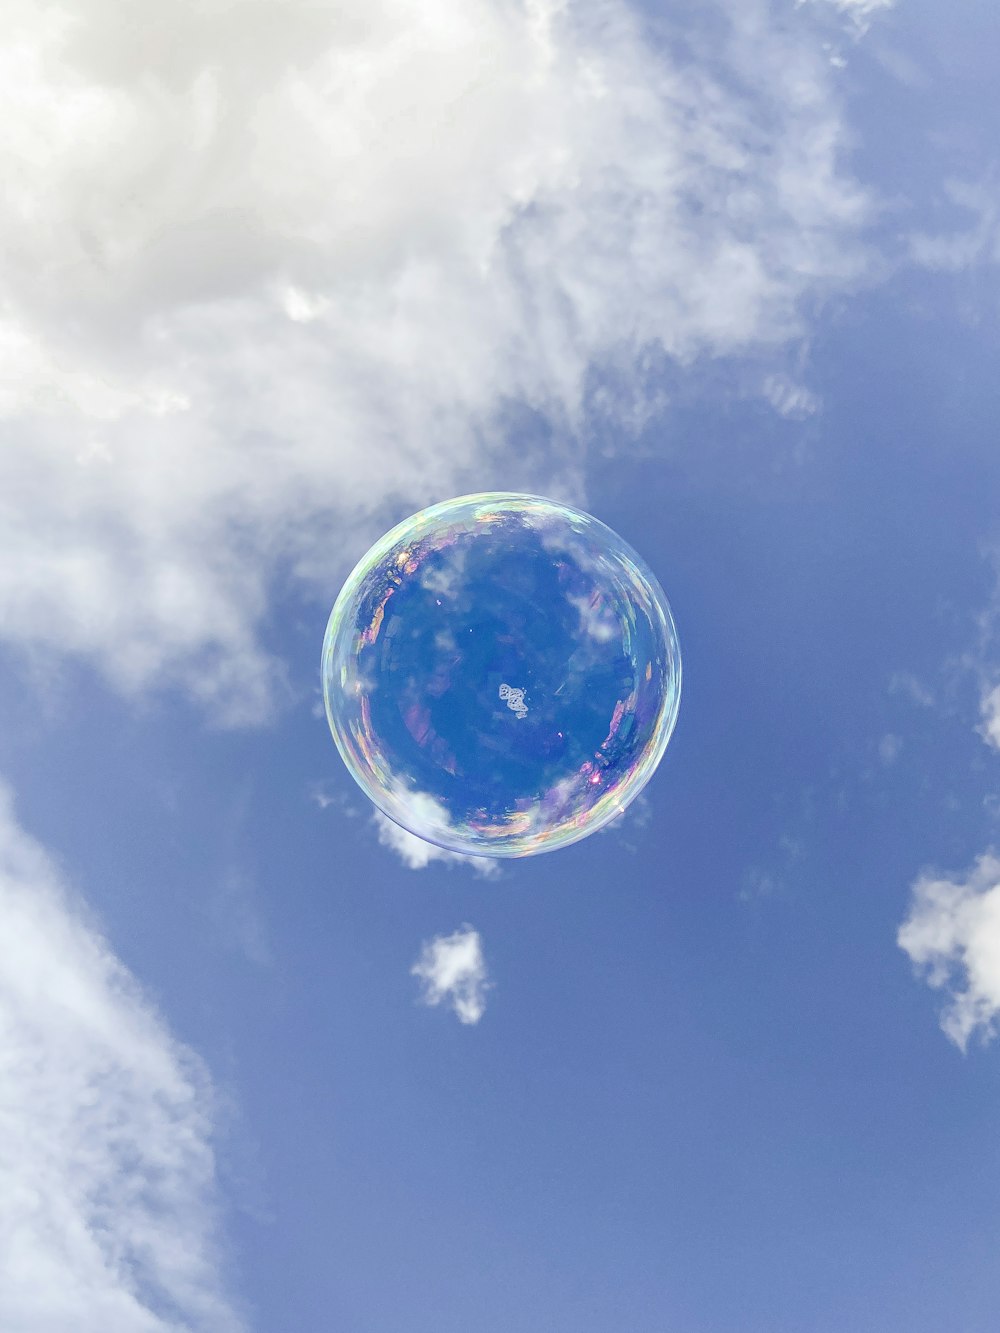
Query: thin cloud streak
<point x="109" y="1214"/>
<point x="990" y="716"/>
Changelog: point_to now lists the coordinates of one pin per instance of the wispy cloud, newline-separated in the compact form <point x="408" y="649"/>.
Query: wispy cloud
<point x="972" y="243"/>
<point x="989" y="707"/>
<point x="329" y="249"/>
<point x="859" y="14"/>
<point x="629" y="826"/>
<point x="417" y="854"/>
<point x="952" y="934"/>
<point x="983" y="659"/>
<point x="789" y="398"/>
<point x="451" y="968"/>
<point x="907" y="684"/>
<point x="889" y="748"/>
<point x="235" y="908"/>
<point x="323" y="796"/>
<point x="970" y="678"/>
<point x="764" y="882"/>
<point x="108" y="1209"/>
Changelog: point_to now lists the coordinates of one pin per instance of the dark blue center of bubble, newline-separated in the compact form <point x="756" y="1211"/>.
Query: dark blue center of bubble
<point x="501" y="674"/>
<point x="448" y="645"/>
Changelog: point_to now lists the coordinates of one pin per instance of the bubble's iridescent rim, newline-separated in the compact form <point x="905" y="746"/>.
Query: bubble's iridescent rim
<point x="383" y="791"/>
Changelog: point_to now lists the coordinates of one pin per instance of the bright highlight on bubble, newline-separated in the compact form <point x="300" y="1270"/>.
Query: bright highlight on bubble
<point x="501" y="674"/>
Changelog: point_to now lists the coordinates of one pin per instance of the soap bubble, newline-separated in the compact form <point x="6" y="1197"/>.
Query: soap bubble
<point x="501" y="674"/>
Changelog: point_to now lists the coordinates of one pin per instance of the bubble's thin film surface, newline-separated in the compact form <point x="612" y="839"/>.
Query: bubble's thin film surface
<point x="501" y="674"/>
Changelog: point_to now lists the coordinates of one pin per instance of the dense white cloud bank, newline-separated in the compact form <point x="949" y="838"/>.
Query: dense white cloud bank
<point x="953" y="935"/>
<point x="451" y="968"/>
<point x="107" y="1213"/>
<point x="265" y="266"/>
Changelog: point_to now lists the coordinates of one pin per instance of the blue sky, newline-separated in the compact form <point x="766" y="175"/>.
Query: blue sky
<point x="277" y="275"/>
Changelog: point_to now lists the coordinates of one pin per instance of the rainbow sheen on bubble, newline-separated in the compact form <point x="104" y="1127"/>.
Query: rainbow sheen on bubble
<point x="501" y="674"/>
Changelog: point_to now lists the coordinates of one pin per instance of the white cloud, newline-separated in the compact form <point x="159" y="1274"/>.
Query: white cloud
<point x="266" y="268"/>
<point x="107" y="1192"/>
<point x="952" y="934"/>
<point x="417" y="854"/>
<point x="452" y="968"/>
<point x="982" y="660"/>
<point x="976" y="243"/>
<point x="990" y="714"/>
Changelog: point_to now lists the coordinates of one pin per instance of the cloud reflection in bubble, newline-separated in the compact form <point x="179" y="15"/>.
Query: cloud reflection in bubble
<point x="501" y="674"/>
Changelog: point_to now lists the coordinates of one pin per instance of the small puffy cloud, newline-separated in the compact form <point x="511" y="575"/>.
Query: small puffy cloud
<point x="107" y="1176"/>
<point x="417" y="854"/>
<point x="952" y="935"/>
<point x="451" y="968"/>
